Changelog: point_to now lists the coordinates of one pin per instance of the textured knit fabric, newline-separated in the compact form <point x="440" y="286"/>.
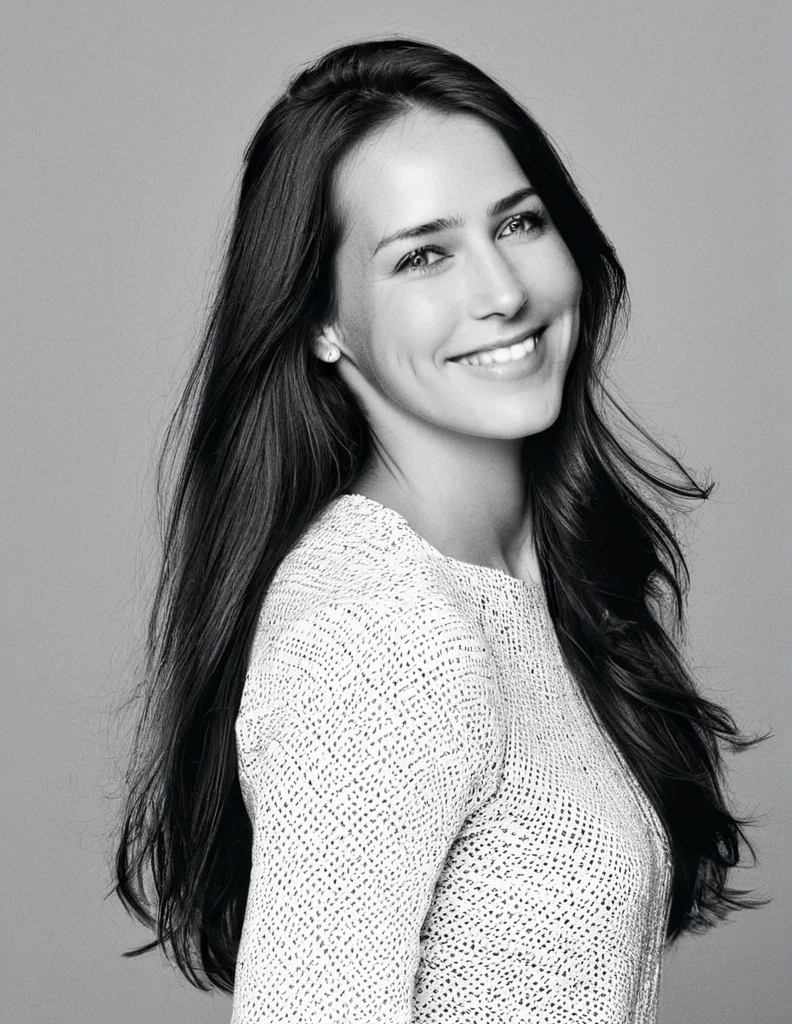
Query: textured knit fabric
<point x="441" y="832"/>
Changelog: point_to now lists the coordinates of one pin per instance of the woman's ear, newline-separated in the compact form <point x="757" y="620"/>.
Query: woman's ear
<point x="326" y="344"/>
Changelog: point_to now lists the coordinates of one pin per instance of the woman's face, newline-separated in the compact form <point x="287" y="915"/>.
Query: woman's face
<point x="446" y="252"/>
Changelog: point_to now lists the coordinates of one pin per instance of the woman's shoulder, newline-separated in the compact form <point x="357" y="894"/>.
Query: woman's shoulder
<point x="353" y="625"/>
<point x="357" y="604"/>
<point x="366" y="664"/>
<point x="358" y="561"/>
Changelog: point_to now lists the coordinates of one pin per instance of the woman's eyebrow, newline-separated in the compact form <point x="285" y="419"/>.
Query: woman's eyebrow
<point x="444" y="223"/>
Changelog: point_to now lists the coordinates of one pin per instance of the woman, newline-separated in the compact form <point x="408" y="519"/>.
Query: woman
<point x="418" y="739"/>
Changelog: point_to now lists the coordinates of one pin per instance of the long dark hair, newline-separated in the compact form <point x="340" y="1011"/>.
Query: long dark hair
<point x="266" y="435"/>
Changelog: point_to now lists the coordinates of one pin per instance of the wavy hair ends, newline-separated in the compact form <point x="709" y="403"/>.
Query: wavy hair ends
<point x="265" y="436"/>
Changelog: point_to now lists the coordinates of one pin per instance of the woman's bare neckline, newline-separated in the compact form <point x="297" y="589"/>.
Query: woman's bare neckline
<point x="501" y="574"/>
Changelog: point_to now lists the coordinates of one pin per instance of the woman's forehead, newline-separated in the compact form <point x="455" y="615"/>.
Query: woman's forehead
<point x="420" y="167"/>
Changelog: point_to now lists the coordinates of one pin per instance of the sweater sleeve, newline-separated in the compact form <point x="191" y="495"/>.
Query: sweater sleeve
<point x="361" y="748"/>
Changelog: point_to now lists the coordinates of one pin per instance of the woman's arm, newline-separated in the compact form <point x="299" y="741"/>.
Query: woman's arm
<point x="358" y="763"/>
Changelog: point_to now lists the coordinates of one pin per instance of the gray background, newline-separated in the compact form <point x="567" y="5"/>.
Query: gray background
<point x="123" y="130"/>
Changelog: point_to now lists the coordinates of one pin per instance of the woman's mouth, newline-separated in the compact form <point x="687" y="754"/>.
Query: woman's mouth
<point x="510" y="362"/>
<point x="507" y="354"/>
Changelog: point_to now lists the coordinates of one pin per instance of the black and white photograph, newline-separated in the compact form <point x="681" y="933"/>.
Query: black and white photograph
<point x="396" y="557"/>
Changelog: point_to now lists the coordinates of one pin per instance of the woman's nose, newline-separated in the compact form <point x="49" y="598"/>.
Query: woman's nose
<point x="494" y="289"/>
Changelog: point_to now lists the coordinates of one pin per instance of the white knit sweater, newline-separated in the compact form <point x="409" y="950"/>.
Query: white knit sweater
<point x="441" y="832"/>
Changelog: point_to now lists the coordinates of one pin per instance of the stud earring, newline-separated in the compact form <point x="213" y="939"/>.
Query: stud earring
<point x="331" y="354"/>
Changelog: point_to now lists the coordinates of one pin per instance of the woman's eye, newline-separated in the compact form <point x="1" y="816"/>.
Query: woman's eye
<point x="417" y="262"/>
<point x="527" y="221"/>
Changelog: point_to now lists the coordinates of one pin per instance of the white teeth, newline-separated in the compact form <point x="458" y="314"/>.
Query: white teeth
<point x="507" y="354"/>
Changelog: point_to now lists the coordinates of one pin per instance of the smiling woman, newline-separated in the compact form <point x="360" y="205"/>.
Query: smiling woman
<point x="427" y="342"/>
<point x="417" y="742"/>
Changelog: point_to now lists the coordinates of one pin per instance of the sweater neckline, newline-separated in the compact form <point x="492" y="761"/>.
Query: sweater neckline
<point x="486" y="570"/>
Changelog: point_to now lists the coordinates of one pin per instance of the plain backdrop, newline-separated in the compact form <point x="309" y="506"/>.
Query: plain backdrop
<point x="123" y="128"/>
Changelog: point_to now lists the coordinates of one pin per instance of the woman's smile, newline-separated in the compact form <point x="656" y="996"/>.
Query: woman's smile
<point x="511" y="363"/>
<point x="505" y="353"/>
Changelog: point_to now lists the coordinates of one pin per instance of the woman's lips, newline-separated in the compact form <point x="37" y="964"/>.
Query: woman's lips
<point x="513" y="369"/>
<point x="526" y="336"/>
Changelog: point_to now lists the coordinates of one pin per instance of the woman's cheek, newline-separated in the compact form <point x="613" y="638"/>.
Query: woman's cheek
<point x="423" y="319"/>
<point x="569" y="270"/>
